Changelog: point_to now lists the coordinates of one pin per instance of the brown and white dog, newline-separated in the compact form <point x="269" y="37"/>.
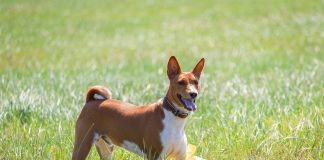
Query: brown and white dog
<point x="153" y="131"/>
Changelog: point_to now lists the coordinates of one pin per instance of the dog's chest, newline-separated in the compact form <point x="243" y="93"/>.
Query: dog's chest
<point x="173" y="136"/>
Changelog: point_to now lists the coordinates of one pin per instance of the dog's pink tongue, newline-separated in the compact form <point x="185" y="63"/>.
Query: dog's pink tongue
<point x="190" y="104"/>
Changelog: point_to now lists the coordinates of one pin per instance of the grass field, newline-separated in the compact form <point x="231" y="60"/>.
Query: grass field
<point x="263" y="83"/>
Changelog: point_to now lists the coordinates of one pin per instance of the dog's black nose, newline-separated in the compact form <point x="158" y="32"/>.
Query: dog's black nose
<point x="193" y="94"/>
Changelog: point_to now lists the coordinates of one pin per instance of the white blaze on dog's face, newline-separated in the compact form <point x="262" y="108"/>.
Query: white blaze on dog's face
<point x="184" y="86"/>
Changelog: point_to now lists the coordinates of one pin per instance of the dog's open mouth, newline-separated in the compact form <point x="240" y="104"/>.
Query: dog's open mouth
<point x="189" y="104"/>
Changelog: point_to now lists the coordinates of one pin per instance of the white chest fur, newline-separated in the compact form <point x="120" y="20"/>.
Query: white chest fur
<point x="173" y="137"/>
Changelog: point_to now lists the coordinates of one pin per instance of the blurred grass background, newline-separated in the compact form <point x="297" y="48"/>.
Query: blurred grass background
<point x="263" y="88"/>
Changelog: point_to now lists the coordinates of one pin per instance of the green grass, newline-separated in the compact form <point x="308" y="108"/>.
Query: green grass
<point x="263" y="84"/>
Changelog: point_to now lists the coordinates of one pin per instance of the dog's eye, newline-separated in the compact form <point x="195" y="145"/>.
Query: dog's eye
<point x="195" y="82"/>
<point x="182" y="82"/>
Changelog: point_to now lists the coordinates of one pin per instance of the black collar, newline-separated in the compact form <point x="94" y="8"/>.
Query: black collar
<point x="167" y="105"/>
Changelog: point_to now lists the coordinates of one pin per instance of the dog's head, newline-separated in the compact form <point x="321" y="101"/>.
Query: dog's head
<point x="184" y="86"/>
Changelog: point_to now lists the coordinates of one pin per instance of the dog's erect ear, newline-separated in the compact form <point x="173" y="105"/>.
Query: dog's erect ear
<point x="199" y="67"/>
<point x="173" y="67"/>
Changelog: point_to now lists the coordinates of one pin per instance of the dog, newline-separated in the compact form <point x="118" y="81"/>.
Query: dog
<point x="153" y="131"/>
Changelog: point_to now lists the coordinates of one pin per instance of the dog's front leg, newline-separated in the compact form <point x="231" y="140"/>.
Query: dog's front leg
<point x="182" y="154"/>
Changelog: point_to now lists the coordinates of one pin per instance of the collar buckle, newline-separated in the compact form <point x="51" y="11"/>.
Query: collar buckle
<point x="176" y="112"/>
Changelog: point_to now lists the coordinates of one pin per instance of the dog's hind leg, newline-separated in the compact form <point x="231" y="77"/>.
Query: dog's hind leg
<point x="104" y="148"/>
<point x="83" y="141"/>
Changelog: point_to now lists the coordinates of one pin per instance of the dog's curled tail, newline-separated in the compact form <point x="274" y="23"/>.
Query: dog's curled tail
<point x="98" y="93"/>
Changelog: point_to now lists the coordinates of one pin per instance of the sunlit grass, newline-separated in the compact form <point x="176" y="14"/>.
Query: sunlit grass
<point x="262" y="89"/>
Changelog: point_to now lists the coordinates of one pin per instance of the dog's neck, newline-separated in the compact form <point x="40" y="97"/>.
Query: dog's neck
<point x="174" y="118"/>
